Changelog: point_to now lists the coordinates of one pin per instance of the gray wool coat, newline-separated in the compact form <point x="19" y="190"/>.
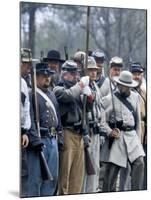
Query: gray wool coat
<point x="128" y="146"/>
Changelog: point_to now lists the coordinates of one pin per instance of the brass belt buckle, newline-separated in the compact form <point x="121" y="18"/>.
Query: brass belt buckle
<point x="52" y="131"/>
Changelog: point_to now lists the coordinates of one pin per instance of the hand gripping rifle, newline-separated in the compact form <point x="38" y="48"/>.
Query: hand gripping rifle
<point x="46" y="174"/>
<point x="89" y="165"/>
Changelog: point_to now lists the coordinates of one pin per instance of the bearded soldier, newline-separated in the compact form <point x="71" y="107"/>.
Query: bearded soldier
<point x="51" y="135"/>
<point x="123" y="117"/>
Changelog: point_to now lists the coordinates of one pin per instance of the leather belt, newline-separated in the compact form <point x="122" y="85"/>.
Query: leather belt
<point x="72" y="129"/>
<point x="127" y="128"/>
<point x="48" y="132"/>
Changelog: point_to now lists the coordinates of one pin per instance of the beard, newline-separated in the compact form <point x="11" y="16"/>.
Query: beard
<point x="125" y="94"/>
<point x="46" y="85"/>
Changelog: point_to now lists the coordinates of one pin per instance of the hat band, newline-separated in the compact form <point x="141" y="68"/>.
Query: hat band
<point x="127" y="82"/>
<point x="136" y="70"/>
<point x="116" y="65"/>
<point x="44" y="71"/>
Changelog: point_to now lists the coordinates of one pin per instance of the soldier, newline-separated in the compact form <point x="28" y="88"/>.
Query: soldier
<point x="79" y="58"/>
<point x="123" y="117"/>
<point x="25" y="126"/>
<point x="115" y="67"/>
<point x="54" y="61"/>
<point x="50" y="129"/>
<point x="137" y="71"/>
<point x="25" y="118"/>
<point x="99" y="57"/>
<point x="72" y="154"/>
<point x="96" y="125"/>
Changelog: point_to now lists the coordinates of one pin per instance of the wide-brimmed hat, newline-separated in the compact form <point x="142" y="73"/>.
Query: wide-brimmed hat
<point x="91" y="63"/>
<point x="69" y="66"/>
<point x="26" y="55"/>
<point x="53" y="55"/>
<point x="42" y="68"/>
<point x="79" y="56"/>
<point x="136" y="67"/>
<point x="126" y="79"/>
<point x="116" y="62"/>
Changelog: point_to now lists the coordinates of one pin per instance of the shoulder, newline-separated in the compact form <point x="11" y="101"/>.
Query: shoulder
<point x="52" y="97"/>
<point x="106" y="100"/>
<point x="134" y="95"/>
<point x="24" y="87"/>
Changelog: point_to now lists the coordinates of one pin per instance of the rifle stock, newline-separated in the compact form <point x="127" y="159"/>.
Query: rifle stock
<point x="88" y="162"/>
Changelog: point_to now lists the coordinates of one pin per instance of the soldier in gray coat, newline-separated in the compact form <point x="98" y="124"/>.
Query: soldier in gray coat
<point x="115" y="67"/>
<point x="123" y="117"/>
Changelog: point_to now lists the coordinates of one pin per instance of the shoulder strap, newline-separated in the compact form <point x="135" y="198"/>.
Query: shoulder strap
<point x="127" y="104"/>
<point x="101" y="81"/>
<point x="51" y="105"/>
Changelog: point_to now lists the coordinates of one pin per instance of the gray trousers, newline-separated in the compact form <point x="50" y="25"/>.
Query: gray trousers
<point x="137" y="175"/>
<point x="125" y="178"/>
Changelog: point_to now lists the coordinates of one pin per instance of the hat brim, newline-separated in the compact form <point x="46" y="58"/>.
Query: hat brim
<point x="137" y="70"/>
<point x="131" y="85"/>
<point x="93" y="68"/>
<point x="26" y="60"/>
<point x="45" y="72"/>
<point x="50" y="59"/>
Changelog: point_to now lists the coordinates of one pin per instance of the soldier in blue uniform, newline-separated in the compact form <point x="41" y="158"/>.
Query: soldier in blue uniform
<point x="51" y="135"/>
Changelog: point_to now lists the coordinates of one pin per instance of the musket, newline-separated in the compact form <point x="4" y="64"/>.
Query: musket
<point x="66" y="52"/>
<point x="45" y="169"/>
<point x="87" y="37"/>
<point x="114" y="113"/>
<point x="89" y="164"/>
<point x="41" y="55"/>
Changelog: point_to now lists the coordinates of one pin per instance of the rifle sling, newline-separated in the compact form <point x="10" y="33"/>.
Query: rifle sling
<point x="101" y="81"/>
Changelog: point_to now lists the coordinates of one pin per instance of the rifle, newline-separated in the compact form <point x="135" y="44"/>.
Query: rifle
<point x="46" y="174"/>
<point x="66" y="52"/>
<point x="41" y="55"/>
<point x="87" y="36"/>
<point x="111" y="139"/>
<point x="89" y="164"/>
